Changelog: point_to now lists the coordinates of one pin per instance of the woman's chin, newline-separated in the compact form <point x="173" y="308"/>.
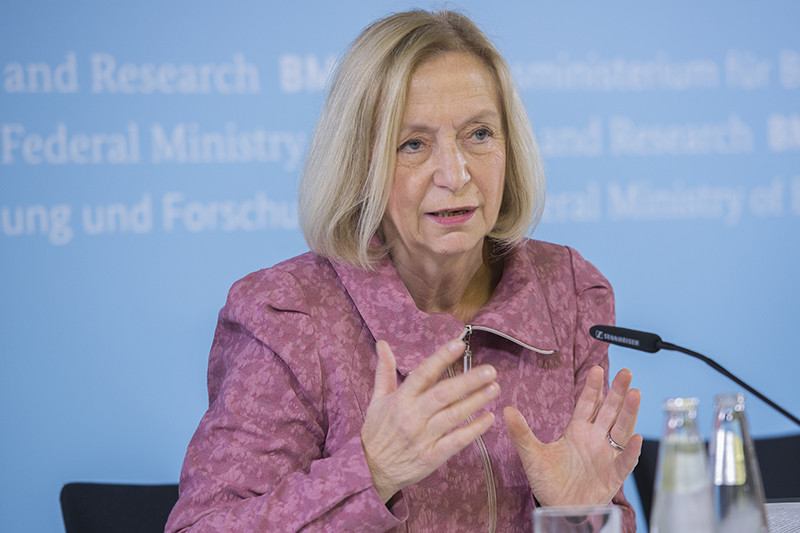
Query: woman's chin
<point x="455" y="246"/>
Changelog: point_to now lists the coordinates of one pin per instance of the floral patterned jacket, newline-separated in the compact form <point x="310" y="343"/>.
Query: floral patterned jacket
<point x="291" y="373"/>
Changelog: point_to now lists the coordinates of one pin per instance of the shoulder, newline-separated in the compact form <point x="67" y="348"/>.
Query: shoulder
<point x="281" y="305"/>
<point x="286" y="286"/>
<point x="557" y="263"/>
<point x="268" y="320"/>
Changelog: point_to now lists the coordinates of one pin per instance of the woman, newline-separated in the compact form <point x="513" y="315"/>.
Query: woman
<point x="328" y="406"/>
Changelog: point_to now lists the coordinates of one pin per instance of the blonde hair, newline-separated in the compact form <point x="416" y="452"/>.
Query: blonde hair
<point x="345" y="184"/>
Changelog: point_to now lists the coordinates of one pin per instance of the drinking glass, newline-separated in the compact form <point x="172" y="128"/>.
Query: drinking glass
<point x="683" y="499"/>
<point x="738" y="490"/>
<point x="577" y="519"/>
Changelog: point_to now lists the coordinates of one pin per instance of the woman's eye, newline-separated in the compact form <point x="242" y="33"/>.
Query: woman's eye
<point x="482" y="134"/>
<point x="412" y="145"/>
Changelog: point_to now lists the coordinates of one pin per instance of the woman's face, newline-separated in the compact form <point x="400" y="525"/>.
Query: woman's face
<point x="448" y="182"/>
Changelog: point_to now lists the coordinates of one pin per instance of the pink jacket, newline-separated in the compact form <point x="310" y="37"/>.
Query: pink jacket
<point x="291" y="373"/>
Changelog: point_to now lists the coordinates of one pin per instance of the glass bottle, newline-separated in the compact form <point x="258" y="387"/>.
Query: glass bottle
<point x="683" y="497"/>
<point x="738" y="490"/>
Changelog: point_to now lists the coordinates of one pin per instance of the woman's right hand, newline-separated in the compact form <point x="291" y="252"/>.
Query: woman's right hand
<point x="413" y="429"/>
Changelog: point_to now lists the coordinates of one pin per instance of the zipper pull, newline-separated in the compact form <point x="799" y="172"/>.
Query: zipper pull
<point x="467" y="350"/>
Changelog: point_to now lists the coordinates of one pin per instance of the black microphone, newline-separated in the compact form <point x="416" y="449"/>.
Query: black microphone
<point x="651" y="343"/>
<point x="629" y="338"/>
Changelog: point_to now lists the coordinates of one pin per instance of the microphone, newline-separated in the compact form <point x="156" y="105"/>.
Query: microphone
<point x="629" y="338"/>
<point x="651" y="343"/>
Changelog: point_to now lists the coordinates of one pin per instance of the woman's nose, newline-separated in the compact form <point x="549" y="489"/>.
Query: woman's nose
<point x="451" y="167"/>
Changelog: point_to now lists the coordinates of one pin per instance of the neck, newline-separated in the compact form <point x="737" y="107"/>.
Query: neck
<point x="459" y="286"/>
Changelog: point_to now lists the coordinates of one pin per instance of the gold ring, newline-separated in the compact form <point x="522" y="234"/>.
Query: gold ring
<point x="614" y="444"/>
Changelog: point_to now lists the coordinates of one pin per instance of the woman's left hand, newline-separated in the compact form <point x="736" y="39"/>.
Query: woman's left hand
<point x="582" y="467"/>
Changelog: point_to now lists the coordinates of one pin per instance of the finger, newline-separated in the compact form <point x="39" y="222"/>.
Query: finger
<point x="385" y="373"/>
<point x="625" y="425"/>
<point x="447" y="392"/>
<point x="527" y="445"/>
<point x="454" y="415"/>
<point x="428" y="372"/>
<point x="614" y="399"/>
<point x="457" y="440"/>
<point x="591" y="396"/>
<point x="627" y="460"/>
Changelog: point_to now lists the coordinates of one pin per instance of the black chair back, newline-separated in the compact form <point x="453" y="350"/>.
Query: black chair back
<point x="645" y="475"/>
<point x="112" y="508"/>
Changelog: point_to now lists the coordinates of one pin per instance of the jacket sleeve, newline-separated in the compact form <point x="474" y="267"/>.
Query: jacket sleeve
<point x="595" y="305"/>
<point x="257" y="461"/>
<point x="594" y="299"/>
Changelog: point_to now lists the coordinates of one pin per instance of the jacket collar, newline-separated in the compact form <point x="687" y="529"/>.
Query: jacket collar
<point x="517" y="308"/>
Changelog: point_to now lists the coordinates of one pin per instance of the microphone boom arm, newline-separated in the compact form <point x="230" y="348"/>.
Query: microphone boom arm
<point x="651" y="343"/>
<point x="719" y="368"/>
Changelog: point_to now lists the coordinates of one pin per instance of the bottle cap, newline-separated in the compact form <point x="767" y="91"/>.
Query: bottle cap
<point x="681" y="404"/>
<point x="733" y="401"/>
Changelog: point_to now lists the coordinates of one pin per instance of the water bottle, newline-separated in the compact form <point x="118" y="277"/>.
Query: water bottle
<point x="738" y="490"/>
<point x="683" y="496"/>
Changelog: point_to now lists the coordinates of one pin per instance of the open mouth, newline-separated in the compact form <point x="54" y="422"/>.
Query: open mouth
<point x="454" y="213"/>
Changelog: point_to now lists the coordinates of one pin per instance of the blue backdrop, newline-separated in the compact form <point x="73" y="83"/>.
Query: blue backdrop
<point x="149" y="155"/>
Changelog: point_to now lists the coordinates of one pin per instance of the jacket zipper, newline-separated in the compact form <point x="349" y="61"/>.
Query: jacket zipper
<point x="469" y="329"/>
<point x="484" y="452"/>
<point x="467" y="351"/>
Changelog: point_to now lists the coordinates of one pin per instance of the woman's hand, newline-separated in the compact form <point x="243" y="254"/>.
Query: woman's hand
<point x="410" y="430"/>
<point x="582" y="467"/>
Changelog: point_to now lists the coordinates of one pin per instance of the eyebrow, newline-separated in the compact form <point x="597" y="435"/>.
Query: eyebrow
<point x="483" y="114"/>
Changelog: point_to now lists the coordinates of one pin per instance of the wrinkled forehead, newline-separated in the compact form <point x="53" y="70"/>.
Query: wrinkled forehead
<point x="450" y="70"/>
<point x="452" y="81"/>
